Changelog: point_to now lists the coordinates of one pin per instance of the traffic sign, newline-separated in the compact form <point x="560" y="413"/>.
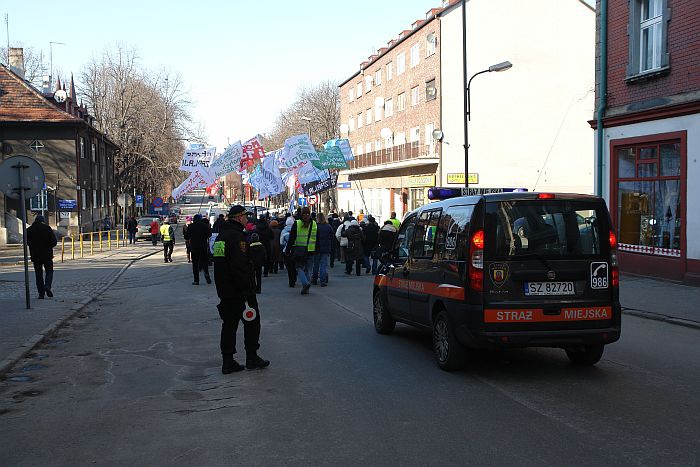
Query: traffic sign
<point x="157" y="202"/>
<point x="312" y="200"/>
<point x="25" y="168"/>
<point x="125" y="200"/>
<point x="139" y="201"/>
<point x="302" y="201"/>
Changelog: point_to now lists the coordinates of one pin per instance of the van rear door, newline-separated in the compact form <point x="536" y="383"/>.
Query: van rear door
<point x="547" y="264"/>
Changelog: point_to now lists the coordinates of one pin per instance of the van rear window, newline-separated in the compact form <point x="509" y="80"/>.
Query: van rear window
<point x="547" y="228"/>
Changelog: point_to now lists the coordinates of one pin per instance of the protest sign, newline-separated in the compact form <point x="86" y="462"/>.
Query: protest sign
<point x="228" y="162"/>
<point x="193" y="158"/>
<point x="331" y="158"/>
<point x="297" y="149"/>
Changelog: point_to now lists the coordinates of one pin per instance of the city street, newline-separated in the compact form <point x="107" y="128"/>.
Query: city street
<point x="135" y="379"/>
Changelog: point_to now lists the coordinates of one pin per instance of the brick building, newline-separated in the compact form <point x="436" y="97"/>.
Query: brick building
<point x="528" y="125"/>
<point x="78" y="161"/>
<point x="648" y="152"/>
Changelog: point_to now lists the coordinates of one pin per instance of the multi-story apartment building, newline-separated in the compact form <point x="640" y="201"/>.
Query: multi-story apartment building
<point x="77" y="159"/>
<point x="649" y="143"/>
<point x="527" y="126"/>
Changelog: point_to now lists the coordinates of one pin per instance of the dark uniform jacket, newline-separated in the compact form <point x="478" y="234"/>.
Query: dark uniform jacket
<point x="371" y="231"/>
<point x="355" y="239"/>
<point x="198" y="234"/>
<point x="41" y="240"/>
<point x="233" y="270"/>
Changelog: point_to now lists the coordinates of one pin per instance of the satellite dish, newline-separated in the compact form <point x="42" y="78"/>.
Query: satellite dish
<point x="379" y="102"/>
<point x="344" y="129"/>
<point x="386" y="133"/>
<point x="438" y="135"/>
<point x="60" y="95"/>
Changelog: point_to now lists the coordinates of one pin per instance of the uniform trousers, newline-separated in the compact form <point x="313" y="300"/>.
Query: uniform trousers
<point x="231" y="312"/>
<point x="200" y="262"/>
<point x="168" y="249"/>
<point x="42" y="284"/>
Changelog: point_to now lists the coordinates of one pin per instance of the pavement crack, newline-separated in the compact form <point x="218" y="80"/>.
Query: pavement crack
<point x="190" y="411"/>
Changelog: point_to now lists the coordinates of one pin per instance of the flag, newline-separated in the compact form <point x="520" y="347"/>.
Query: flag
<point x="297" y="149"/>
<point x="344" y="146"/>
<point x="228" y="162"/>
<point x="193" y="158"/>
<point x="252" y="151"/>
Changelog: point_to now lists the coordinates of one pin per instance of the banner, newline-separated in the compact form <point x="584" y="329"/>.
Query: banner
<point x="331" y="158"/>
<point x="199" y="178"/>
<point x="228" y="162"/>
<point x="344" y="146"/>
<point x="297" y="149"/>
<point x="271" y="175"/>
<point x="320" y="185"/>
<point x="307" y="173"/>
<point x="193" y="158"/>
<point x="252" y="150"/>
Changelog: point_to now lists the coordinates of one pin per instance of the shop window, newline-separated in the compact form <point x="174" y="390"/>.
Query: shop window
<point x="649" y="198"/>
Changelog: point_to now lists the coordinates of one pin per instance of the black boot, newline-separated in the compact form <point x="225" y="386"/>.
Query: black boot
<point x="230" y="365"/>
<point x="253" y="362"/>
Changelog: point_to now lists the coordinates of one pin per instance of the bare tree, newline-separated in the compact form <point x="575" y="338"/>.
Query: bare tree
<point x="34" y="67"/>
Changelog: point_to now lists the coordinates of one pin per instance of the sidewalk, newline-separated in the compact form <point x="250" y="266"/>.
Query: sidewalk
<point x="76" y="283"/>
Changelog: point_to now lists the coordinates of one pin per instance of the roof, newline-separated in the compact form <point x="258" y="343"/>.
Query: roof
<point x="21" y="102"/>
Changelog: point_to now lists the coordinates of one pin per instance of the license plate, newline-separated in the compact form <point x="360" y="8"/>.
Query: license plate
<point x="548" y="288"/>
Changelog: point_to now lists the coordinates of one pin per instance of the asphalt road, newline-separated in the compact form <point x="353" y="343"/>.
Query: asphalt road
<point x="135" y="380"/>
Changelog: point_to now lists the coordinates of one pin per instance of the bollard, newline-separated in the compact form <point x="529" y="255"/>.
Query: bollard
<point x="109" y="240"/>
<point x="118" y="245"/>
<point x="92" y="244"/>
<point x="63" y="247"/>
<point x="82" y="255"/>
<point x="72" y="247"/>
<point x="99" y="236"/>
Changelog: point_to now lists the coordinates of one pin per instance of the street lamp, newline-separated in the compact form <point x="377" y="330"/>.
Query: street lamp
<point x="503" y="66"/>
<point x="307" y="119"/>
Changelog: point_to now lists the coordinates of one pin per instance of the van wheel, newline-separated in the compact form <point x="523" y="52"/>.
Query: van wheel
<point x="450" y="354"/>
<point x="383" y="322"/>
<point x="585" y="355"/>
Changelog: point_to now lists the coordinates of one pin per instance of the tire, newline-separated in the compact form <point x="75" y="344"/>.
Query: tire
<point x="383" y="322"/>
<point x="449" y="352"/>
<point x="586" y="355"/>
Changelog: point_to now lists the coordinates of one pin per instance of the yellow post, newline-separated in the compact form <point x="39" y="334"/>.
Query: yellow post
<point x="72" y="247"/>
<point x="63" y="246"/>
<point x="92" y="244"/>
<point x="118" y="238"/>
<point x="99" y="237"/>
<point x="109" y="240"/>
<point x="82" y="254"/>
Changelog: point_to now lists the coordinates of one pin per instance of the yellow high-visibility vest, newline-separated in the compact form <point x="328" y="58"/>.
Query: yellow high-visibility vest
<point x="303" y="236"/>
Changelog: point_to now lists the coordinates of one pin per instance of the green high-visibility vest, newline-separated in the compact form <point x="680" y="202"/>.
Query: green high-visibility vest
<point x="303" y="236"/>
<point x="165" y="232"/>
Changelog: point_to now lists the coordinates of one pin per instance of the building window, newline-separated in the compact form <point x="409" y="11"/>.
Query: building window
<point x="415" y="137"/>
<point x="389" y="71"/>
<point x="368" y="116"/>
<point x="359" y="120"/>
<point x="378" y="106"/>
<point x="102" y="198"/>
<point x="430" y="42"/>
<point x="93" y="152"/>
<point x="429" y="140"/>
<point x="83" y="200"/>
<point x="109" y="194"/>
<point x="358" y="150"/>
<point x="94" y="198"/>
<point x="648" y="32"/>
<point x="389" y="107"/>
<point x="82" y="147"/>
<point x="377" y="145"/>
<point x="415" y="55"/>
<point x="378" y="77"/>
<point x="400" y="63"/>
<point x="368" y="83"/>
<point x="368" y="147"/>
<point x="351" y="124"/>
<point x="359" y="89"/>
<point x="351" y="94"/>
<point x="415" y="93"/>
<point x="649" y="198"/>
<point x="401" y="104"/>
<point x="430" y="90"/>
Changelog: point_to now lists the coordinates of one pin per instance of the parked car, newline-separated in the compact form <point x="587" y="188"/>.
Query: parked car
<point x="143" y="227"/>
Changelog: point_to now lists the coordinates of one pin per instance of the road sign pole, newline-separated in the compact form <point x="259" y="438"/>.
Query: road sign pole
<point x="23" y="210"/>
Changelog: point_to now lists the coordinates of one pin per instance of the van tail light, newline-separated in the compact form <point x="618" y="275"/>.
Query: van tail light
<point x="615" y="271"/>
<point x="545" y="196"/>
<point x="476" y="261"/>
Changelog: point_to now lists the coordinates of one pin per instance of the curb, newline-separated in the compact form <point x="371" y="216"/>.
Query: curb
<point x="8" y="363"/>
<point x="663" y="318"/>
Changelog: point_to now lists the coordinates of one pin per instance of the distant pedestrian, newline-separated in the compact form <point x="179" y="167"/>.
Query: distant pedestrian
<point x="275" y="250"/>
<point x="155" y="230"/>
<point x="41" y="240"/>
<point x="234" y="286"/>
<point x="265" y="237"/>
<point x="371" y="231"/>
<point x="198" y="234"/>
<point x="385" y="241"/>
<point x="394" y="221"/>
<point x="288" y="260"/>
<point x="167" y="233"/>
<point x="302" y="243"/>
<point x="258" y="256"/>
<point x="354" y="253"/>
<point x="326" y="238"/>
<point x="131" y="228"/>
<point x="188" y="243"/>
<point x="107" y="224"/>
<point x="217" y="223"/>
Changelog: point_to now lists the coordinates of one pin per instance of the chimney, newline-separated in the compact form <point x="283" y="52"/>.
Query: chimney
<point x="17" y="61"/>
<point x="46" y="84"/>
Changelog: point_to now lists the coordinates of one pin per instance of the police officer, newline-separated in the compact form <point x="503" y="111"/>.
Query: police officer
<point x="167" y="233"/>
<point x="233" y="276"/>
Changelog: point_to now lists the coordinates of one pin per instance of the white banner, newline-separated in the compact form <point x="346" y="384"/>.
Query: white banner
<point x="228" y="162"/>
<point x="307" y="173"/>
<point x="193" y="158"/>
<point x="297" y="149"/>
<point x="199" y="178"/>
<point x="272" y="176"/>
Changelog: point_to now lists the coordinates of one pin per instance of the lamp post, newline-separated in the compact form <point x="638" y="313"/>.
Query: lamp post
<point x="307" y="119"/>
<point x="503" y="66"/>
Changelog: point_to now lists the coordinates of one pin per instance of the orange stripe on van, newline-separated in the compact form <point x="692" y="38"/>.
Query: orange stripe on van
<point x="536" y="315"/>
<point x="450" y="291"/>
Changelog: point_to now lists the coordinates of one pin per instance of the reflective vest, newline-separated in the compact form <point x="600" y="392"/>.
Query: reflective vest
<point x="396" y="223"/>
<point x="303" y="236"/>
<point x="165" y="232"/>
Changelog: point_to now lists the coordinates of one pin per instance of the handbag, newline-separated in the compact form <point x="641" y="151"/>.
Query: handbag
<point x="299" y="252"/>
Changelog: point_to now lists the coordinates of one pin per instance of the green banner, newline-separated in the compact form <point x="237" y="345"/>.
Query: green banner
<point x="331" y="158"/>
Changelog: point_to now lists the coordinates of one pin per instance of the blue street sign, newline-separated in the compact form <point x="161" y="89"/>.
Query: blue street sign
<point x="67" y="204"/>
<point x="342" y="185"/>
<point x="157" y="202"/>
<point x="139" y="201"/>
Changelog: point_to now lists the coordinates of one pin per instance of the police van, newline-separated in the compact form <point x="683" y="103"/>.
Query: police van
<point x="496" y="268"/>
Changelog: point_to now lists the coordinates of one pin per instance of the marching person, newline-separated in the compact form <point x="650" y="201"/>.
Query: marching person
<point x="394" y="221"/>
<point x="131" y="227"/>
<point x="302" y="242"/>
<point x="325" y="249"/>
<point x="198" y="234"/>
<point x="188" y="243"/>
<point x="155" y="229"/>
<point x="167" y="233"/>
<point x="233" y="276"/>
<point x="371" y="231"/>
<point x="354" y="252"/>
<point x="258" y="256"/>
<point x="288" y="260"/>
<point x="385" y="241"/>
<point x="41" y="240"/>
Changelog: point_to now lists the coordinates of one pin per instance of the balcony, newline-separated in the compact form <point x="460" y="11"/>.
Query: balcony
<point x="402" y="155"/>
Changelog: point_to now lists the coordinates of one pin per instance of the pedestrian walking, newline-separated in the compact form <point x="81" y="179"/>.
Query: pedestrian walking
<point x="258" y="255"/>
<point x="303" y="239"/>
<point x="385" y="240"/>
<point x="167" y="233"/>
<point x="185" y="235"/>
<point x="217" y="223"/>
<point x="265" y="235"/>
<point x="354" y="252"/>
<point x="334" y="222"/>
<point x="342" y="241"/>
<point x="198" y="234"/>
<point x="155" y="230"/>
<point x="131" y="228"/>
<point x="234" y="286"/>
<point x="288" y="259"/>
<point x="394" y="221"/>
<point x="326" y="238"/>
<point x="371" y="231"/>
<point x="41" y="240"/>
<point x="275" y="250"/>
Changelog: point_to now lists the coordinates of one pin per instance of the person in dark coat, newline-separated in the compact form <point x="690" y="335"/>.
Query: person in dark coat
<point x="217" y="223"/>
<point x="265" y="234"/>
<point x="354" y="253"/>
<point x="371" y="231"/>
<point x="41" y="240"/>
<point x="334" y="222"/>
<point x="131" y="227"/>
<point x="198" y="234"/>
<point x="385" y="241"/>
<point x="233" y="274"/>
<point x="326" y="237"/>
<point x="258" y="256"/>
<point x="275" y="250"/>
